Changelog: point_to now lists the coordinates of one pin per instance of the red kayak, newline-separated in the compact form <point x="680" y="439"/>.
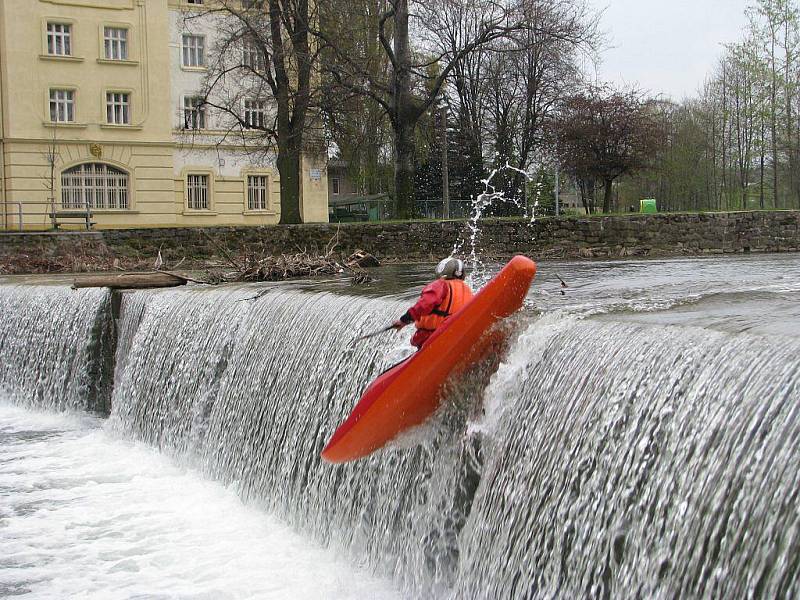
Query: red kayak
<point x="407" y="394"/>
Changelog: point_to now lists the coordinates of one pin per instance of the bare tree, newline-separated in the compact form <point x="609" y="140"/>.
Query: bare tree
<point x="604" y="134"/>
<point x="410" y="35"/>
<point x="52" y="156"/>
<point x="541" y="69"/>
<point x="503" y="92"/>
<point x="466" y="96"/>
<point x="264" y="53"/>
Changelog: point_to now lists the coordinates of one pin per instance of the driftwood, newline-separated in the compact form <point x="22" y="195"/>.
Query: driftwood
<point x="128" y="281"/>
<point x="362" y="259"/>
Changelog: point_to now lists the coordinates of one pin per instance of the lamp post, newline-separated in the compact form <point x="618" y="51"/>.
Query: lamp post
<point x="445" y="171"/>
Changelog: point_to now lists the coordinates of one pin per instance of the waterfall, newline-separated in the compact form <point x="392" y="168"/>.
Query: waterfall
<point x="249" y="391"/>
<point x="131" y="311"/>
<point x="621" y="461"/>
<point x="639" y="462"/>
<point x="56" y="346"/>
<point x="603" y="458"/>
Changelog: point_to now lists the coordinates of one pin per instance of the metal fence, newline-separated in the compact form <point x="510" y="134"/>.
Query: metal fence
<point x="41" y="215"/>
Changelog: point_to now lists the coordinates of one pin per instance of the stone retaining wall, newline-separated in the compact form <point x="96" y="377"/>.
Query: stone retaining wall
<point x="594" y="237"/>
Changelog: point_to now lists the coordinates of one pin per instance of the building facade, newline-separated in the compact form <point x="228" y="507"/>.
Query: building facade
<point x="96" y="111"/>
<point x="346" y="203"/>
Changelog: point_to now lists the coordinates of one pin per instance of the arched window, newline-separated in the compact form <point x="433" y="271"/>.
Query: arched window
<point x="96" y="185"/>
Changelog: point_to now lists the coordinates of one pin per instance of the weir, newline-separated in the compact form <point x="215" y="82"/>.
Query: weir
<point x="57" y="347"/>
<point x="609" y="459"/>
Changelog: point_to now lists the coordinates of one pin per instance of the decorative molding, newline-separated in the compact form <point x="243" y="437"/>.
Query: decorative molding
<point x="122" y="127"/>
<point x="61" y="58"/>
<point x="122" y="63"/>
<point x="107" y="4"/>
<point x="199" y="213"/>
<point x="70" y="125"/>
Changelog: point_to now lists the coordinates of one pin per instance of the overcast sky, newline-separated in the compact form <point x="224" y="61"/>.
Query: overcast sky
<point x="667" y="46"/>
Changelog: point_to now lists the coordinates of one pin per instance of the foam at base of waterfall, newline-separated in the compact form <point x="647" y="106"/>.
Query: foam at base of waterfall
<point x="86" y="515"/>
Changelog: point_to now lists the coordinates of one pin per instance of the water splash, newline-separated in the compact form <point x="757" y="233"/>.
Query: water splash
<point x="479" y="275"/>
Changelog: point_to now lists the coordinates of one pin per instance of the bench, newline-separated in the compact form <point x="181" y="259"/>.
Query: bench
<point x="82" y="215"/>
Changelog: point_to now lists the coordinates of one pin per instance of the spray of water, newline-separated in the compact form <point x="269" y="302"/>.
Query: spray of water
<point x="480" y="204"/>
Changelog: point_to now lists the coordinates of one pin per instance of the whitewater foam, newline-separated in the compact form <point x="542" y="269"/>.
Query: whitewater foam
<point x="87" y="515"/>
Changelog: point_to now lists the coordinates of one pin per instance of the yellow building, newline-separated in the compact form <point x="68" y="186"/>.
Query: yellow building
<point x="91" y="107"/>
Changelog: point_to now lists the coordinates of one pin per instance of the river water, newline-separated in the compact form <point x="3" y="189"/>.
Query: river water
<point x="640" y="438"/>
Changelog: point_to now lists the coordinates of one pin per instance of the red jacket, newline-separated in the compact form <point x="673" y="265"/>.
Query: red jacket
<point x="431" y="298"/>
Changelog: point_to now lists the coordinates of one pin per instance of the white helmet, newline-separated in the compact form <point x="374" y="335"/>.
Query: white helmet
<point x="450" y="268"/>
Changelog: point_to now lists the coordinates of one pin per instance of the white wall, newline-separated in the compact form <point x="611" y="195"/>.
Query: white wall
<point x="206" y="148"/>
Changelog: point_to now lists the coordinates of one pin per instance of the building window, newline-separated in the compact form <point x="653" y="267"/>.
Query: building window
<point x="257" y="192"/>
<point x="94" y="185"/>
<point x="194" y="112"/>
<point x="59" y="39"/>
<point x="335" y="186"/>
<point x="255" y="113"/>
<point x="194" y="54"/>
<point x="252" y="56"/>
<point x="62" y="106"/>
<point x="118" y="108"/>
<point x="194" y="1"/>
<point x="115" y="40"/>
<point x="197" y="192"/>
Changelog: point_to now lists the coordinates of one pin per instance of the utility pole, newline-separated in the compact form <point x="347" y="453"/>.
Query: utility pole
<point x="445" y="172"/>
<point x="557" y="190"/>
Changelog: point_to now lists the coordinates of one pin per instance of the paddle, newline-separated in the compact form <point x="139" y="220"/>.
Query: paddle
<point x="563" y="285"/>
<point x="373" y="334"/>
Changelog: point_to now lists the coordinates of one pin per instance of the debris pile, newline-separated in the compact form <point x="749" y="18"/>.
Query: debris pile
<point x="248" y="264"/>
<point x="89" y="261"/>
<point x="254" y="265"/>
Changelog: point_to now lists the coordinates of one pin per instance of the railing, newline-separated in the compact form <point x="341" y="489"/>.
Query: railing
<point x="38" y="215"/>
<point x="6" y="211"/>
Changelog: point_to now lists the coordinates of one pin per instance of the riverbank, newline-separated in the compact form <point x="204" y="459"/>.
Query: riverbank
<point x="614" y="236"/>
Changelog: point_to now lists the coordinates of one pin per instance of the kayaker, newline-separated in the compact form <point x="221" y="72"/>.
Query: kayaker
<point x="438" y="300"/>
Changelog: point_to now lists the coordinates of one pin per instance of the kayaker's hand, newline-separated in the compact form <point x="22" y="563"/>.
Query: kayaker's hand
<point x="398" y="325"/>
